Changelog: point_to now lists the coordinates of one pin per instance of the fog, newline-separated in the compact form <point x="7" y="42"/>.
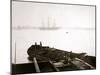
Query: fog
<point x="76" y="33"/>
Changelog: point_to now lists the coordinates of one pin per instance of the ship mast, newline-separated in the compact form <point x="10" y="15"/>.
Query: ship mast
<point x="54" y="23"/>
<point x="43" y="25"/>
<point x="48" y="22"/>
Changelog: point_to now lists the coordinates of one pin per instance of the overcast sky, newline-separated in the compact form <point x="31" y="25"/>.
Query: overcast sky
<point x="34" y="14"/>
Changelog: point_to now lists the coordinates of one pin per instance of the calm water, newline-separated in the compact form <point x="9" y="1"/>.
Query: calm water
<point x="75" y="41"/>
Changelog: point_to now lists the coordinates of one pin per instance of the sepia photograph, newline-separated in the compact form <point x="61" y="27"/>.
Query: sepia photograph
<point x="52" y="37"/>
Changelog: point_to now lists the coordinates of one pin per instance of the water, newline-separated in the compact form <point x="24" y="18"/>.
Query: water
<point x="70" y="40"/>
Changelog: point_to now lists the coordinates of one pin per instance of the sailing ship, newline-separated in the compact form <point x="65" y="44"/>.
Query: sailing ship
<point x="49" y="26"/>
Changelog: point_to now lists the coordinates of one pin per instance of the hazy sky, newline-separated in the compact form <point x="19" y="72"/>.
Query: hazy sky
<point x="34" y="14"/>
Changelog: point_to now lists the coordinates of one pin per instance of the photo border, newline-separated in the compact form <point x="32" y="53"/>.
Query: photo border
<point x="57" y="4"/>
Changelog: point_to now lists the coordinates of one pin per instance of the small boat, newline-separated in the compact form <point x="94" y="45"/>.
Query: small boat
<point x="46" y="59"/>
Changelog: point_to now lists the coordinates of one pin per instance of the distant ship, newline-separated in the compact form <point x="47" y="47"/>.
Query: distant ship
<point x="49" y="26"/>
